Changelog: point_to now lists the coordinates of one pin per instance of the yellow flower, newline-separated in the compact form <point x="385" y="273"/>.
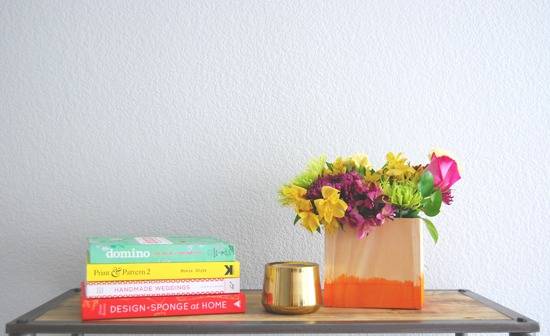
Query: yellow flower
<point x="330" y="206"/>
<point x="397" y="166"/>
<point x="331" y="227"/>
<point x="292" y="192"/>
<point x="372" y="176"/>
<point x="309" y="220"/>
<point x="338" y="167"/>
<point x="418" y="171"/>
<point x="341" y="166"/>
<point x="302" y="204"/>
<point x="360" y="160"/>
<point x="294" y="195"/>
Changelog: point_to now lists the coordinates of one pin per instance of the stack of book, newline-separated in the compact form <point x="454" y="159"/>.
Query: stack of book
<point x="160" y="276"/>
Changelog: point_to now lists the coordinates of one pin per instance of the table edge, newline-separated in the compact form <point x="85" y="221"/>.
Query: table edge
<point x="517" y="323"/>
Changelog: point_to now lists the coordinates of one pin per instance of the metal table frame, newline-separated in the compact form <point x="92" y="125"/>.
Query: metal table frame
<point x="26" y="324"/>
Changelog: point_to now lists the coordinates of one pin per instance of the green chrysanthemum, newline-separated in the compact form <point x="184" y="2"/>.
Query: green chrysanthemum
<point x="405" y="195"/>
<point x="313" y="171"/>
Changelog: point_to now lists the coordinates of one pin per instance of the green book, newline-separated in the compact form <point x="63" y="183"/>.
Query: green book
<point x="111" y="250"/>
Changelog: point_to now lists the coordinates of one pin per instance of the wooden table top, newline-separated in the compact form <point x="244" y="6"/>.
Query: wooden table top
<point x="440" y="305"/>
<point x="444" y="311"/>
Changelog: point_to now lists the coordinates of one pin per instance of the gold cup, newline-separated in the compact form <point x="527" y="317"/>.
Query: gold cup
<point x="291" y="287"/>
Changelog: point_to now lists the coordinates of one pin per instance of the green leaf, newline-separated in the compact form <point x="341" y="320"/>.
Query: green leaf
<point x="330" y="166"/>
<point x="431" y="229"/>
<point x="432" y="204"/>
<point x="296" y="219"/>
<point x="426" y="184"/>
<point x="362" y="171"/>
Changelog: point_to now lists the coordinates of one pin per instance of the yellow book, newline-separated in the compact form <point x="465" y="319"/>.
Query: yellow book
<point x="162" y="271"/>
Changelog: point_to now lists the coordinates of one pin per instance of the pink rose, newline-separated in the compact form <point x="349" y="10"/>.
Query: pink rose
<point x="445" y="173"/>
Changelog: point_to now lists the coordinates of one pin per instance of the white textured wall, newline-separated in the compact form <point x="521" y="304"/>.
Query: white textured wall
<point x="142" y="117"/>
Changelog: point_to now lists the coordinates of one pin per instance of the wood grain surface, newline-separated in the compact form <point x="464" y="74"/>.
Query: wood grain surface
<point x="440" y="305"/>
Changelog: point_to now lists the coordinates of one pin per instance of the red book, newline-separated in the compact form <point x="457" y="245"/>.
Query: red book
<point x="112" y="308"/>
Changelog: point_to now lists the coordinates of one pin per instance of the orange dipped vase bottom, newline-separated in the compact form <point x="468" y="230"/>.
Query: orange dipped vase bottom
<point x="383" y="270"/>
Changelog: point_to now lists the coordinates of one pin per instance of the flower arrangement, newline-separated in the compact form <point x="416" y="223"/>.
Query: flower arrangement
<point x="350" y="191"/>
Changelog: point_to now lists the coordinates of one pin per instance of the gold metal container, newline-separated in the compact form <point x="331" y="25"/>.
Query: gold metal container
<point x="291" y="287"/>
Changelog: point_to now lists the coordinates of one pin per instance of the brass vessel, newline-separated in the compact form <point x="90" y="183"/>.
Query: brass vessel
<point x="291" y="287"/>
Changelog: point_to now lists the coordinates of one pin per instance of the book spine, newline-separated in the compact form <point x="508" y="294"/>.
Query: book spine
<point x="98" y="309"/>
<point x="128" y="254"/>
<point x="162" y="271"/>
<point x="161" y="288"/>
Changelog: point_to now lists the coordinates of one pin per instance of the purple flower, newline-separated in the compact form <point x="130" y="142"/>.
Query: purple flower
<point x="367" y="207"/>
<point x="353" y="218"/>
<point x="388" y="211"/>
<point x="374" y="192"/>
